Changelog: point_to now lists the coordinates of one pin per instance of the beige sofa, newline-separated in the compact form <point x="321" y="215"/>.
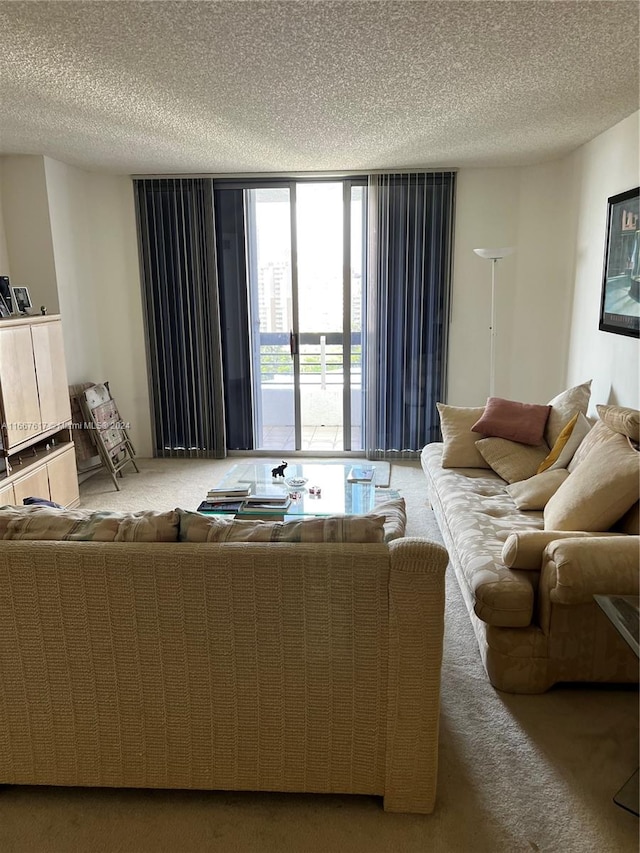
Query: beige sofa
<point x="237" y="666"/>
<point x="529" y="590"/>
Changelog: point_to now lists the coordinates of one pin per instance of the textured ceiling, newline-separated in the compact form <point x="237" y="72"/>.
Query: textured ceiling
<point x="237" y="87"/>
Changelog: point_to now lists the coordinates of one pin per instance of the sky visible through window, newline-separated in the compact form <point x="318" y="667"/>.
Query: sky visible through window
<point x="320" y="257"/>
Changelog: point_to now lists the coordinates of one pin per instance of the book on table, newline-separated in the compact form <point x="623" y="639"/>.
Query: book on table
<point x="235" y="493"/>
<point x="221" y="506"/>
<point x="361" y="474"/>
<point x="258" y="503"/>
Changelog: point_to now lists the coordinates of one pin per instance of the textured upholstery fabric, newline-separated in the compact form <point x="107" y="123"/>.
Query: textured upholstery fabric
<point x="459" y="448"/>
<point x="195" y="527"/>
<point x="599" y="491"/>
<point x="242" y="666"/>
<point x="621" y="419"/>
<point x="523" y="422"/>
<point x="533" y="494"/>
<point x="563" y="407"/>
<point x="480" y="516"/>
<point x="524" y="550"/>
<point x="512" y="460"/>
<point x="598" y="434"/>
<point x="42" y="522"/>
<point x="567" y="638"/>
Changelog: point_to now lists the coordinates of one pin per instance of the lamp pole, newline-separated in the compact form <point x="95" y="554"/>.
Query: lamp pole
<point x="493" y="255"/>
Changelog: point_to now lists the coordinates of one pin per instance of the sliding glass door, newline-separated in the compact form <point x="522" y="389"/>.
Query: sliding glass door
<point x="306" y="253"/>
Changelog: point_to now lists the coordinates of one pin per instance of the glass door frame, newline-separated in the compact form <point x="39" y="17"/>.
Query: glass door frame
<point x="348" y="182"/>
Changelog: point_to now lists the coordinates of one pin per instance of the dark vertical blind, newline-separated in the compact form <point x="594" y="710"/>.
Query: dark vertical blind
<point x="410" y="241"/>
<point x="176" y="237"/>
<point x="234" y="316"/>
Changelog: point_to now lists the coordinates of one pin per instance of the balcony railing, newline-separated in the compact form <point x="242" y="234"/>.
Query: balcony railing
<point x="321" y="355"/>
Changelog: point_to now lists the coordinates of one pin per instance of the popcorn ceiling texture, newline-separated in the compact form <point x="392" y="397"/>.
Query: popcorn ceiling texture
<point x="172" y="87"/>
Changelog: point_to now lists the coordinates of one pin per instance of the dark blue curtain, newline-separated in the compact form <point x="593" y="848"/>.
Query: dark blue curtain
<point x="409" y="275"/>
<point x="176" y="238"/>
<point x="234" y="315"/>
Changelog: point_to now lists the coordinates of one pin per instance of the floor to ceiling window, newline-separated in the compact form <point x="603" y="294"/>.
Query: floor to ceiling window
<point x="305" y="251"/>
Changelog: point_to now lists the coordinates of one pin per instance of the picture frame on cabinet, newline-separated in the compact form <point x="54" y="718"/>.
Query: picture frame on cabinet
<point x="5" y="293"/>
<point x="21" y="299"/>
<point x="620" y="299"/>
<point x="4" y="309"/>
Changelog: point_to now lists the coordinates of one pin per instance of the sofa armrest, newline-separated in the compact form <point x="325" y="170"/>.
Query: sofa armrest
<point x="416" y="630"/>
<point x="523" y="549"/>
<point x="574" y="570"/>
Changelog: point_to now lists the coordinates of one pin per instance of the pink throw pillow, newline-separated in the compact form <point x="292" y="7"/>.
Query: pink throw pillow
<point x="523" y="422"/>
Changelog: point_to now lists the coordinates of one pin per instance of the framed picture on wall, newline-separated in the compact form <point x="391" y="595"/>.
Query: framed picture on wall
<point x="620" y="301"/>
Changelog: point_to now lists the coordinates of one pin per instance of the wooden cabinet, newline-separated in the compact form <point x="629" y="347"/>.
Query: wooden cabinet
<point x="7" y="496"/>
<point x="36" y="445"/>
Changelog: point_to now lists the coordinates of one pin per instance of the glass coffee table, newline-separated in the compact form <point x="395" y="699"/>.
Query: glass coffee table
<point x="315" y="488"/>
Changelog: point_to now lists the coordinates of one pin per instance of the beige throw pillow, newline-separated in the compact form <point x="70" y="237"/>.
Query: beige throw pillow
<point x="195" y="527"/>
<point x="82" y="525"/>
<point x="459" y="441"/>
<point x="511" y="460"/>
<point x="533" y="494"/>
<point x="599" y="492"/>
<point x="563" y="407"/>
<point x="597" y="435"/>
<point x="621" y="419"/>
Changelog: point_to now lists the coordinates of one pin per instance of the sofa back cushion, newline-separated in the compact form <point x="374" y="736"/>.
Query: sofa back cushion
<point x="512" y="460"/>
<point x="621" y="419"/>
<point x="600" y="490"/>
<point x="563" y="407"/>
<point x="195" y="527"/>
<point x="459" y="441"/>
<point x="81" y="525"/>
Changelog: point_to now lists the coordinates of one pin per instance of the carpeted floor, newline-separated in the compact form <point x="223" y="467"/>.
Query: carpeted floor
<point x="517" y="773"/>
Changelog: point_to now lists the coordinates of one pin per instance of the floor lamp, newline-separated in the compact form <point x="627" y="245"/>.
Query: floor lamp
<point x="493" y="255"/>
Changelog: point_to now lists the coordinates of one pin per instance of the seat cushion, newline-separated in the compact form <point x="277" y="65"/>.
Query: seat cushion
<point x="476" y="516"/>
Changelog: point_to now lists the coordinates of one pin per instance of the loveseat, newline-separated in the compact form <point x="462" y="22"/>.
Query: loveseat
<point x="238" y="665"/>
<point x="528" y="575"/>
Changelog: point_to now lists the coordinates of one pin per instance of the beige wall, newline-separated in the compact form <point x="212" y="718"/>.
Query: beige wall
<point x="28" y="229"/>
<point x="75" y="231"/>
<point x="523" y="208"/>
<point x="606" y="166"/>
<point x="93" y="223"/>
<point x="5" y="268"/>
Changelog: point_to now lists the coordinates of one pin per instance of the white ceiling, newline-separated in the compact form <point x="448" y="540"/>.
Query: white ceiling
<point x="244" y="87"/>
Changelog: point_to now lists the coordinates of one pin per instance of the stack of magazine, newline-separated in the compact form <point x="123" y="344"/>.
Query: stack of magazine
<point x="244" y="500"/>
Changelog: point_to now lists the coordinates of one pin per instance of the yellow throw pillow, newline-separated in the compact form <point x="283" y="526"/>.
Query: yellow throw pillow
<point x="567" y="444"/>
<point x="559" y="446"/>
